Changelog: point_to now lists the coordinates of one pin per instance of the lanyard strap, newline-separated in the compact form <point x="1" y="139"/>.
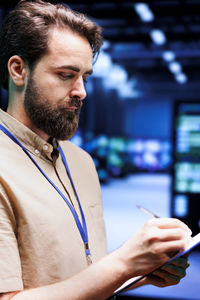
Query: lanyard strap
<point x="77" y="197"/>
<point x="81" y="227"/>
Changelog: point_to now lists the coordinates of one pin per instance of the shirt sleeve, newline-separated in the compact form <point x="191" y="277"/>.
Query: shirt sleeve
<point x="10" y="264"/>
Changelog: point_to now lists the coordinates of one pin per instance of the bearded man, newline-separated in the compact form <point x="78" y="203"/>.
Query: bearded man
<point x="52" y="235"/>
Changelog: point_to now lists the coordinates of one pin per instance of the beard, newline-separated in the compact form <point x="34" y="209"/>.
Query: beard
<point x="55" y="120"/>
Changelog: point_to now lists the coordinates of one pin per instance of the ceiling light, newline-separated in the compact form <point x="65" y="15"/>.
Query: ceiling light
<point x="175" y="67"/>
<point x="168" y="56"/>
<point x="144" y="12"/>
<point x="181" y="78"/>
<point x="158" y="36"/>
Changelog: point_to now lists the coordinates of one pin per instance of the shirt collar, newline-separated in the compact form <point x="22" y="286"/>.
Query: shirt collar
<point x="30" y="140"/>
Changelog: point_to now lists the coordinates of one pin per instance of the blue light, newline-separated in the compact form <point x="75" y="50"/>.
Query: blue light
<point x="181" y="78"/>
<point x="175" y="67"/>
<point x="103" y="65"/>
<point x="144" y="12"/>
<point x="168" y="56"/>
<point x="181" y="205"/>
<point x="158" y="37"/>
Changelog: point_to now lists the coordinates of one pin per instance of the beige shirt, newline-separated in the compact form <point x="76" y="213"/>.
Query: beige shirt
<point x="39" y="240"/>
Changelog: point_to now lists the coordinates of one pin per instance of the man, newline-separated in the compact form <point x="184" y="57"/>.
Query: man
<point x="51" y="223"/>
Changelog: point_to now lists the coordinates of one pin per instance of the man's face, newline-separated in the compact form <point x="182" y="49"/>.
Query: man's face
<point x="55" y="88"/>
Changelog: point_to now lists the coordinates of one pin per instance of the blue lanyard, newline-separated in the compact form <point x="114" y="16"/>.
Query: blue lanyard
<point x="81" y="227"/>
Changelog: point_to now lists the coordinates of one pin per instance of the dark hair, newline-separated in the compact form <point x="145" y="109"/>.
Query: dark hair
<point x="24" y="31"/>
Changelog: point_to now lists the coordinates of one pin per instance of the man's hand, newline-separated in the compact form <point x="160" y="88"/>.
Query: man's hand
<point x="153" y="245"/>
<point x="169" y="274"/>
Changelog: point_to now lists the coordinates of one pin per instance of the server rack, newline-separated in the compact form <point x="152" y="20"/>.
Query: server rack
<point x="185" y="195"/>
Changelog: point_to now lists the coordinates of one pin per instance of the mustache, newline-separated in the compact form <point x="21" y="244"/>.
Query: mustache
<point x="75" y="101"/>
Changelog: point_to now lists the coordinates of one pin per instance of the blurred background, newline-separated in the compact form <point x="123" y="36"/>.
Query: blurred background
<point x="141" y="119"/>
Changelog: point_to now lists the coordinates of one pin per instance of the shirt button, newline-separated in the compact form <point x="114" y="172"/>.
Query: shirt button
<point x="45" y="147"/>
<point x="37" y="151"/>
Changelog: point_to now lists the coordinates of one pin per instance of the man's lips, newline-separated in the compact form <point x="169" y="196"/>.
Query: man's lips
<point x="73" y="108"/>
<point x="74" y="104"/>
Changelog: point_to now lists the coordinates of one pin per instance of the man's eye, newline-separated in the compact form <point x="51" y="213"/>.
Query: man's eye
<point x="64" y="77"/>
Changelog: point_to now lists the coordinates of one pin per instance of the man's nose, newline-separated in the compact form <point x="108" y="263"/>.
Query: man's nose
<point x="78" y="89"/>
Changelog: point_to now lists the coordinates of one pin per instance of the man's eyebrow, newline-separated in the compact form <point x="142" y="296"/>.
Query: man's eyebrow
<point x="75" y="69"/>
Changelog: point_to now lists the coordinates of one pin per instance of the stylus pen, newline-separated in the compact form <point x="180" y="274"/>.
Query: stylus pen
<point x="146" y="211"/>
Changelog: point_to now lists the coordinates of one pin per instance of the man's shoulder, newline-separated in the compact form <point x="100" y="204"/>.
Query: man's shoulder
<point x="76" y="155"/>
<point x="5" y="143"/>
<point x="70" y="148"/>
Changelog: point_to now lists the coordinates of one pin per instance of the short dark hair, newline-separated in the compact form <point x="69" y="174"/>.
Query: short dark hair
<point x="24" y="31"/>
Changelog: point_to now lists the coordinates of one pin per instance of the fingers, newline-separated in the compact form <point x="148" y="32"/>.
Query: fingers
<point x="168" y="249"/>
<point x="170" y="274"/>
<point x="166" y="223"/>
<point x="155" y="280"/>
<point x="169" y="235"/>
<point x="164" y="278"/>
<point x="181" y="262"/>
<point x="174" y="270"/>
<point x="173" y="234"/>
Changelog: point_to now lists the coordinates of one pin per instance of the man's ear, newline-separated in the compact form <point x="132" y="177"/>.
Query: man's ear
<point x="17" y="70"/>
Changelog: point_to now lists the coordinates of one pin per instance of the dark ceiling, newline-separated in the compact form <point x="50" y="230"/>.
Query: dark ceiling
<point x="132" y="47"/>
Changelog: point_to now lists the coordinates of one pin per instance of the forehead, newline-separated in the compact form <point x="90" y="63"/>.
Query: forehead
<point x="65" y="46"/>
